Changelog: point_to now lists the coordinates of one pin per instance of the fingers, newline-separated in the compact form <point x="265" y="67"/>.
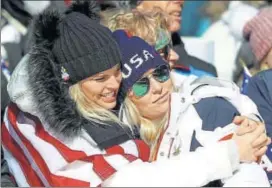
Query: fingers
<point x="238" y="119"/>
<point x="261" y="151"/>
<point x="247" y="126"/>
<point x="252" y="124"/>
<point x="258" y="132"/>
<point x="242" y="130"/>
<point x="245" y="123"/>
<point x="260" y="141"/>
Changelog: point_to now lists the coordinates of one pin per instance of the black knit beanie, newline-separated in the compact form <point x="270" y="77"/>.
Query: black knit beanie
<point x="84" y="47"/>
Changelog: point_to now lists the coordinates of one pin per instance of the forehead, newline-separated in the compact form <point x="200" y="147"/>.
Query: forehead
<point x="151" y="4"/>
<point x="148" y="72"/>
<point x="109" y="71"/>
<point x="104" y="73"/>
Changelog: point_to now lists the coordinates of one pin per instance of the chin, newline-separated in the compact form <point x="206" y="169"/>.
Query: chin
<point x="163" y="110"/>
<point x="108" y="106"/>
<point x="175" y="27"/>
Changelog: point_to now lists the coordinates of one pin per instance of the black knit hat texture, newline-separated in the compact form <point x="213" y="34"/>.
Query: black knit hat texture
<point x="84" y="47"/>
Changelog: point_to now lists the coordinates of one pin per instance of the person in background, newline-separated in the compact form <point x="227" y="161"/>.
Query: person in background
<point x="169" y="128"/>
<point x="194" y="20"/>
<point x="16" y="31"/>
<point x="174" y="10"/>
<point x="15" y="19"/>
<point x="245" y="52"/>
<point x="227" y="36"/>
<point x="259" y="89"/>
<point x="256" y="31"/>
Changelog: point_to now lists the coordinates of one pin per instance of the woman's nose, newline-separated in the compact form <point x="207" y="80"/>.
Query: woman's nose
<point x="114" y="82"/>
<point x="156" y="86"/>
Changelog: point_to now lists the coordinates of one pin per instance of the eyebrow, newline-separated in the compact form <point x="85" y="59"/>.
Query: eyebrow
<point x="147" y="74"/>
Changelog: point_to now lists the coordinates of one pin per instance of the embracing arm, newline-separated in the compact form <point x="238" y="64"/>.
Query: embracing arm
<point x="190" y="169"/>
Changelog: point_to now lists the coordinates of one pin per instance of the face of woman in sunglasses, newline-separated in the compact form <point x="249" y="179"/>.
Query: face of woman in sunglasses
<point x="103" y="87"/>
<point x="155" y="103"/>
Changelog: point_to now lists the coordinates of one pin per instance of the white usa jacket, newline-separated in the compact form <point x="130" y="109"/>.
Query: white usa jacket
<point x="185" y="127"/>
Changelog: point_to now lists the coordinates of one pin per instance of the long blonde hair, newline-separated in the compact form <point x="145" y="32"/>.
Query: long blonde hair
<point x="91" y="110"/>
<point x="149" y="131"/>
<point x="144" y="24"/>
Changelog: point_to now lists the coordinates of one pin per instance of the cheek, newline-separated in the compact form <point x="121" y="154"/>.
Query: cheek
<point x="119" y="79"/>
<point x="143" y="104"/>
<point x="168" y="85"/>
<point x="174" y="26"/>
<point x="92" y="91"/>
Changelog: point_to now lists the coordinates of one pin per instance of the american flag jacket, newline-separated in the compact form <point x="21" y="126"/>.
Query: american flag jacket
<point x="37" y="156"/>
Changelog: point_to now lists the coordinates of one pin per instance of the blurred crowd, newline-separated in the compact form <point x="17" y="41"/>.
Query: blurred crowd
<point x="224" y="45"/>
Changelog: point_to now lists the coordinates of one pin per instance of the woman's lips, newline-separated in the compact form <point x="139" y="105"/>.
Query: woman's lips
<point x="162" y="98"/>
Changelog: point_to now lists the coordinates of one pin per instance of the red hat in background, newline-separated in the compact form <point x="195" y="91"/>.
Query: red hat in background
<point x="259" y="33"/>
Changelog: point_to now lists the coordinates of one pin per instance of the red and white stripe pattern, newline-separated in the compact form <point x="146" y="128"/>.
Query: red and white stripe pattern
<point x="36" y="158"/>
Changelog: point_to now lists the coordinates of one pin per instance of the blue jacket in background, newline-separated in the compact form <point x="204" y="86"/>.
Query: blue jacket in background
<point x="218" y="112"/>
<point x="259" y="90"/>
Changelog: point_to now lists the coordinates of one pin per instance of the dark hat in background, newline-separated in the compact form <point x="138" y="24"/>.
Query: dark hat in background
<point x="138" y="57"/>
<point x="258" y="31"/>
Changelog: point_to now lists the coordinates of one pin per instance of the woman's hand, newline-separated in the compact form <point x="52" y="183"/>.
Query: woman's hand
<point x="252" y="145"/>
<point x="245" y="124"/>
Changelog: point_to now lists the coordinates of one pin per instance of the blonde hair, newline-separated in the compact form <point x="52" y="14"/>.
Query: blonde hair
<point x="149" y="131"/>
<point x="91" y="110"/>
<point x="144" y="24"/>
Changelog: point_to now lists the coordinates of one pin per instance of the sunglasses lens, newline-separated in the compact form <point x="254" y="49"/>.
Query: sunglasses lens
<point x="141" y="87"/>
<point x="162" y="73"/>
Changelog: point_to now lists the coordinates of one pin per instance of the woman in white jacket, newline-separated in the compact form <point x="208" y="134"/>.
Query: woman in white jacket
<point x="168" y="128"/>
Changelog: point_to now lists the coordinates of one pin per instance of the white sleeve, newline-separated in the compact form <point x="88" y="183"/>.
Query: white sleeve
<point x="191" y="169"/>
<point x="248" y="175"/>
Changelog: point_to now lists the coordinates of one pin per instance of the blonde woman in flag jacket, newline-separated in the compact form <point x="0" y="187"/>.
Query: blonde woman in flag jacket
<point x="170" y="129"/>
<point x="59" y="130"/>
